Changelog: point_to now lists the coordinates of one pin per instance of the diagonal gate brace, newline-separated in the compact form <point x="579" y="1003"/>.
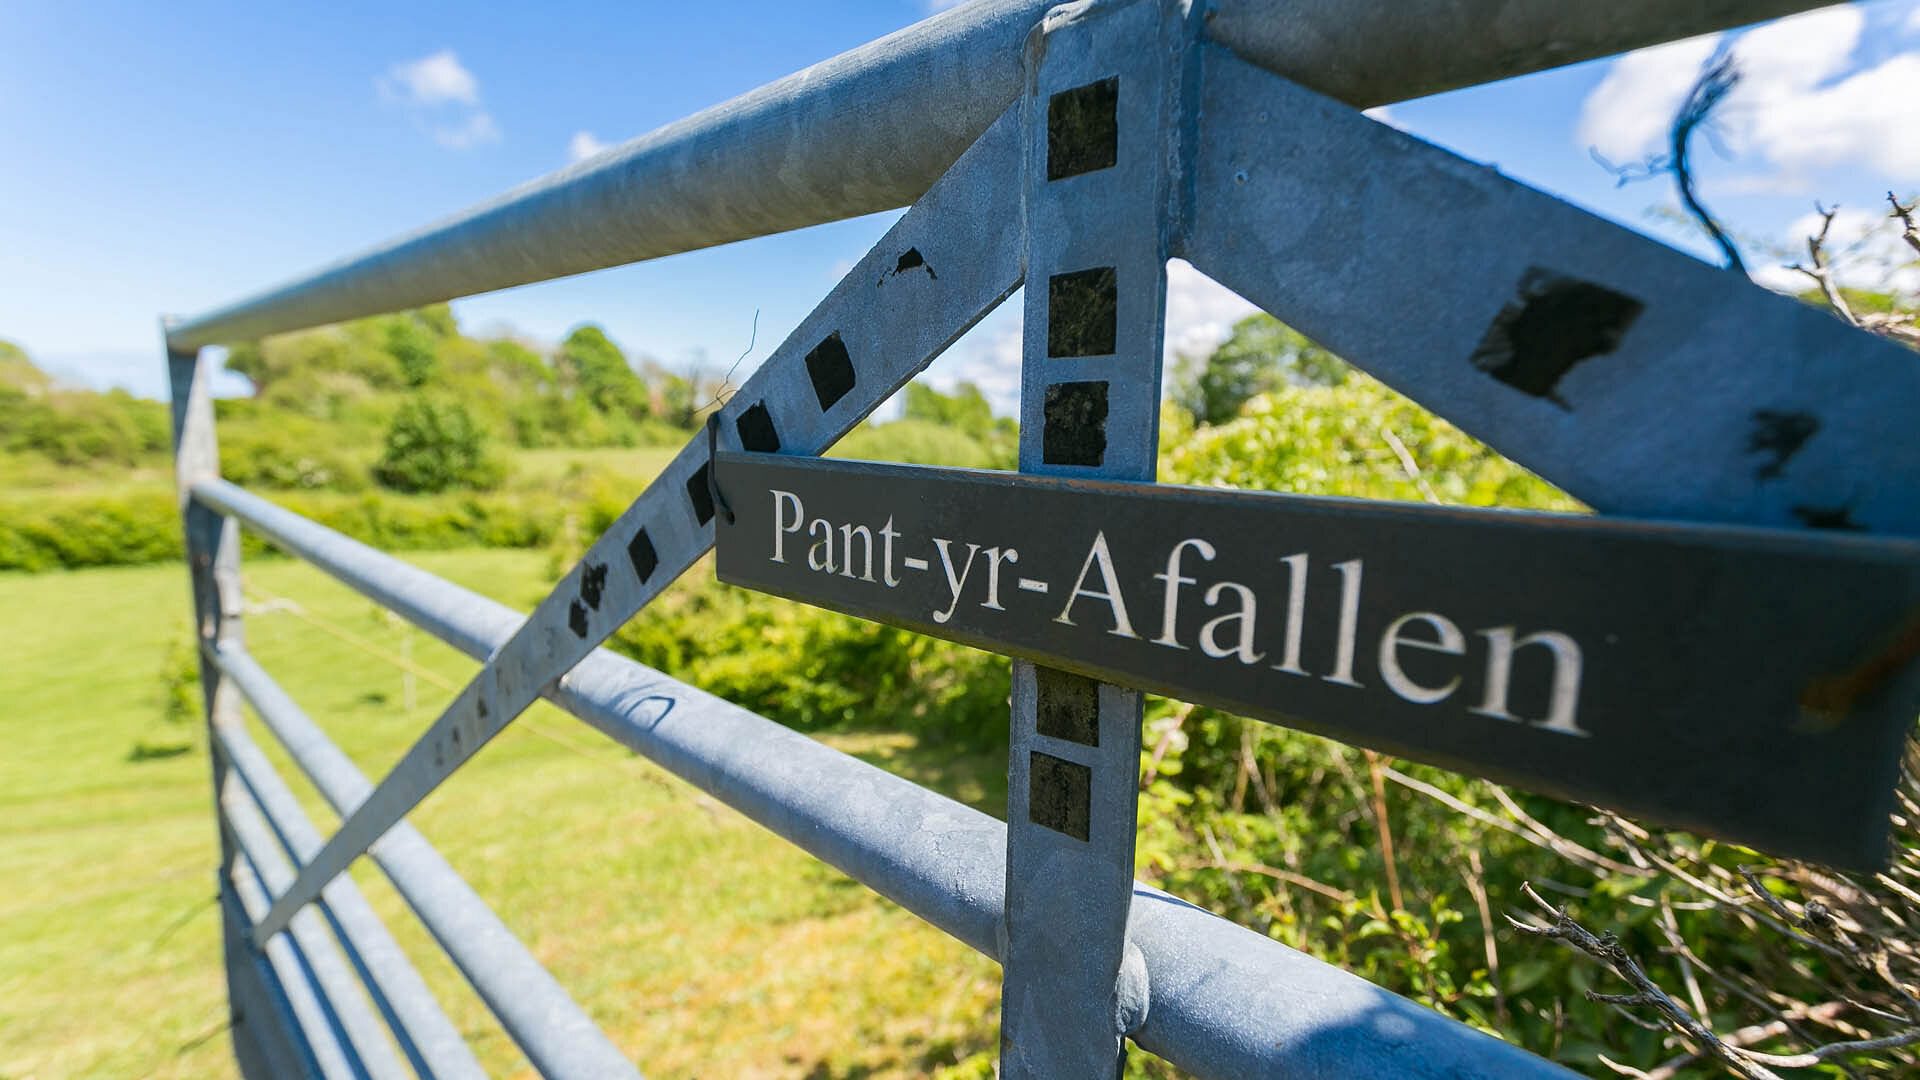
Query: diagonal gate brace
<point x="948" y="261"/>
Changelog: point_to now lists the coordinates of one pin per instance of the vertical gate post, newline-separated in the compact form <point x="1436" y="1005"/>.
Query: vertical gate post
<point x="1099" y="110"/>
<point x="212" y="545"/>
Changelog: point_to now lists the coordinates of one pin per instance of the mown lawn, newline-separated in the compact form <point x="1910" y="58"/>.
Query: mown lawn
<point x="705" y="946"/>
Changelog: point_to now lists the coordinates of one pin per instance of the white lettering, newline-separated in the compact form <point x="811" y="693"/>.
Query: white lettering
<point x="1170" y="605"/>
<point x="820" y="554"/>
<point x="1296" y="614"/>
<point x="994" y="558"/>
<point x="1243" y="615"/>
<point x="782" y="499"/>
<point x="1122" y="626"/>
<point x="888" y="534"/>
<point x="1451" y="642"/>
<point x="954" y="583"/>
<point x="847" y="533"/>
<point x="1349" y="616"/>
<point x="1563" y="701"/>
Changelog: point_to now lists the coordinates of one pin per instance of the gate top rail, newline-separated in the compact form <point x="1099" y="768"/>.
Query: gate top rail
<point x="871" y="130"/>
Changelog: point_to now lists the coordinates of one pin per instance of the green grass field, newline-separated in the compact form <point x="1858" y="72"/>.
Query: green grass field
<point x="702" y="944"/>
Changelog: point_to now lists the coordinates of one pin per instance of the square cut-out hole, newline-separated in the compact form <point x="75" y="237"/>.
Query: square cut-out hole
<point x="1059" y="794"/>
<point x="1083" y="129"/>
<point x="756" y="430"/>
<point x="1083" y="310"/>
<point x="1075" y="431"/>
<point x="700" y="493"/>
<point x="1066" y="706"/>
<point x="831" y="370"/>
<point x="645" y="559"/>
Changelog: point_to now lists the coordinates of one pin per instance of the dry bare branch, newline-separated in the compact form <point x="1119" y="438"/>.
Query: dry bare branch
<point x="1822" y="269"/>
<point x="1646" y="993"/>
<point x="1910" y="232"/>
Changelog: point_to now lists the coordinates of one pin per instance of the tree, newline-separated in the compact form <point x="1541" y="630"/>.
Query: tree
<point x="1261" y="355"/>
<point x="966" y="409"/>
<point x="600" y="373"/>
<point x="435" y="446"/>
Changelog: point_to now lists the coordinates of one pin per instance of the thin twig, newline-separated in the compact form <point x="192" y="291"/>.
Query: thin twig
<point x="1910" y="232"/>
<point x="1822" y="269"/>
<point x="1385" y="829"/>
<point x="1551" y="842"/>
<point x="1646" y="993"/>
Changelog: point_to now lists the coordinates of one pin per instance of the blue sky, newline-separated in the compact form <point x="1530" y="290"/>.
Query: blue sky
<point x="174" y="157"/>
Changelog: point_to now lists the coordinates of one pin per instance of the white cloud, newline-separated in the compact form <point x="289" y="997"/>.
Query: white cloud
<point x="1799" y="106"/>
<point x="476" y="129"/>
<point x="443" y="98"/>
<point x="433" y="80"/>
<point x="1627" y="115"/>
<point x="1200" y="311"/>
<point x="584" y="145"/>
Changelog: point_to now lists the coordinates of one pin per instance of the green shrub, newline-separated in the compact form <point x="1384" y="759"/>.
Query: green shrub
<point x="56" y="532"/>
<point x="814" y="669"/>
<point x="285" y="454"/>
<point x="436" y="446"/>
<point x="921" y="442"/>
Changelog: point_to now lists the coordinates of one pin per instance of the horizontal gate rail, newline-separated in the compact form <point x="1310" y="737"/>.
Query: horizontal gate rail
<point x="1225" y="1001"/>
<point x="431" y="1042"/>
<point x="360" y="1034"/>
<point x="557" y="1037"/>
<point x="872" y="129"/>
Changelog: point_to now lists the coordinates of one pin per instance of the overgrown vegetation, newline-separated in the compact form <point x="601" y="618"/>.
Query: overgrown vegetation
<point x="405" y="433"/>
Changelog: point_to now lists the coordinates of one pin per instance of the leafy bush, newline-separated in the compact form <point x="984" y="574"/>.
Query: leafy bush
<point x="283" y="454"/>
<point x="81" y="428"/>
<point x="814" y="669"/>
<point x="920" y="442"/>
<point x="436" y="446"/>
<point x="65" y="532"/>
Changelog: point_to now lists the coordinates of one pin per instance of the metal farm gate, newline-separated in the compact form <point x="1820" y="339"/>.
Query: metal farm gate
<point x="1076" y="149"/>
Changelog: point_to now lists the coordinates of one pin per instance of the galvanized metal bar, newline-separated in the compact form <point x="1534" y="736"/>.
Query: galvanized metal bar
<point x="1225" y="1002"/>
<point x="873" y="128"/>
<point x="947" y="262"/>
<point x="335" y="981"/>
<point x="431" y="1042"/>
<point x="315" y="1029"/>
<point x="1101" y="119"/>
<point x="1635" y="377"/>
<point x="555" y="1034"/>
<point x="212" y="549"/>
<point x="265" y="1034"/>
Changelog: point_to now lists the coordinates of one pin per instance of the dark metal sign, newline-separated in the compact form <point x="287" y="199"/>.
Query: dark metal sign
<point x="1751" y="684"/>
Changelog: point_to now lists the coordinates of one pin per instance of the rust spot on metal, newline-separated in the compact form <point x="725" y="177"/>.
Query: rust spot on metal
<point x="1552" y="324"/>
<point x="1779" y="435"/>
<point x="1832" y="699"/>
